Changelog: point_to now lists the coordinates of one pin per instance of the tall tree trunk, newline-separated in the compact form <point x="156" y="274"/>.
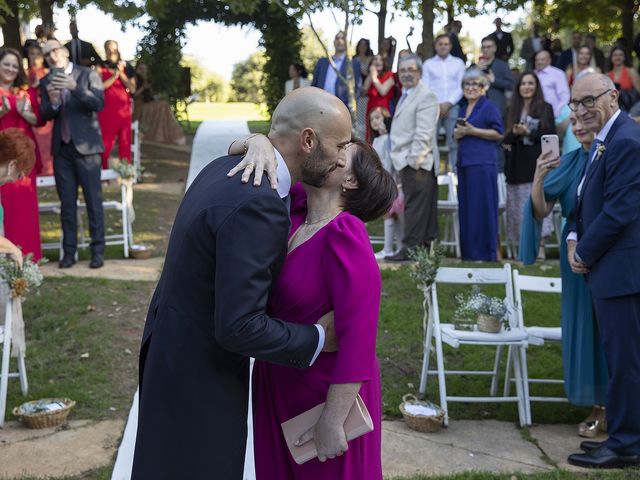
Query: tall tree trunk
<point x="382" y="22"/>
<point x="628" y="11"/>
<point x="46" y="13"/>
<point x="11" y="27"/>
<point x="451" y="14"/>
<point x="428" y="18"/>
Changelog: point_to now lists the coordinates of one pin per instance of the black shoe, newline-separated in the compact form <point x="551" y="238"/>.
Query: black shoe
<point x="589" y="445"/>
<point x="401" y="256"/>
<point x="96" y="261"/>
<point x="67" y="261"/>
<point x="602" y="457"/>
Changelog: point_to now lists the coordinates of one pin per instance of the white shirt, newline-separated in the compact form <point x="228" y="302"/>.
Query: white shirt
<point x="284" y="185"/>
<point x="332" y="76"/>
<point x="602" y="134"/>
<point x="444" y="77"/>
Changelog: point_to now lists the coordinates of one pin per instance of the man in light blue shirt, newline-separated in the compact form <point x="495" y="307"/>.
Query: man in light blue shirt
<point x="327" y="78"/>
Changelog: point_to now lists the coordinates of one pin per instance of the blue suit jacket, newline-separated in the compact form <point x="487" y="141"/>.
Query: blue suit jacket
<point x="320" y="74"/>
<point x="566" y="59"/>
<point x="608" y="214"/>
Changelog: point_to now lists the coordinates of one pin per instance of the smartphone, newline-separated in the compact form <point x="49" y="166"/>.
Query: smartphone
<point x="56" y="71"/>
<point x="461" y="122"/>
<point x="551" y="143"/>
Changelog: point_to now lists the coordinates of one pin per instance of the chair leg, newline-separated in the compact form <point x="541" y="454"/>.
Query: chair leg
<point x="507" y="374"/>
<point x="441" y="377"/>
<point x="456" y="234"/>
<point x="525" y="384"/>
<point x="426" y="358"/>
<point x="496" y="365"/>
<point x="4" y="367"/>
<point x="22" y="371"/>
<point x="125" y="222"/>
<point x="517" y="370"/>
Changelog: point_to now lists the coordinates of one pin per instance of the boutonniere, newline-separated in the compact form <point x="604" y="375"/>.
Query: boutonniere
<point x="599" y="151"/>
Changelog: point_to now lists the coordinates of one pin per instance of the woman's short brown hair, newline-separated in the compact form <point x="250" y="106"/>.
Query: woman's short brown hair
<point x="15" y="145"/>
<point x="376" y="187"/>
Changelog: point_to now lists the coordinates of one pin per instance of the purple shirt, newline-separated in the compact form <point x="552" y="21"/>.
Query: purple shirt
<point x="554" y="87"/>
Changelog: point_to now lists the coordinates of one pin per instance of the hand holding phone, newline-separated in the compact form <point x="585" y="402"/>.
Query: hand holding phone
<point x="461" y="122"/>
<point x="551" y="144"/>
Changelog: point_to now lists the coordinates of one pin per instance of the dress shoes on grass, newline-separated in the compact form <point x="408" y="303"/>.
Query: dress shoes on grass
<point x="67" y="261"/>
<point x="97" y="261"/>
<point x="603" y="457"/>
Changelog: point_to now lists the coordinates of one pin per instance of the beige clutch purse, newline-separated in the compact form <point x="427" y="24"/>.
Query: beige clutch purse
<point x="358" y="423"/>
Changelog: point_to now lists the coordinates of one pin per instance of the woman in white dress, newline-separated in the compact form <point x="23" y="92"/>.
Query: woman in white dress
<point x="298" y="75"/>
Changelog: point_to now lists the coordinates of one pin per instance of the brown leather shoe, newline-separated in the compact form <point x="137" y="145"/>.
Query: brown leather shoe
<point x="401" y="256"/>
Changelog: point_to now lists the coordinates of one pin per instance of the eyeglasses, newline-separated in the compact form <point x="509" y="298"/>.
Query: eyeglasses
<point x="472" y="85"/>
<point x="407" y="70"/>
<point x="587" y="102"/>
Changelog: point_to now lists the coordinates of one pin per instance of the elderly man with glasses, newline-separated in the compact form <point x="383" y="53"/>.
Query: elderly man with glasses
<point x="414" y="154"/>
<point x="72" y="96"/>
<point x="604" y="245"/>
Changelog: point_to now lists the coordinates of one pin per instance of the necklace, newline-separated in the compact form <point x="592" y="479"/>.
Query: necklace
<point x="331" y="217"/>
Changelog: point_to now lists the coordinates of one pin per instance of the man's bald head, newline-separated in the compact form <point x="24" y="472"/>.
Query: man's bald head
<point x="311" y="128"/>
<point x="308" y="107"/>
<point x="601" y="88"/>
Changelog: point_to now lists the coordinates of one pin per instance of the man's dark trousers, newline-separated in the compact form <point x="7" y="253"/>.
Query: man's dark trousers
<point x="72" y="169"/>
<point x="420" y="189"/>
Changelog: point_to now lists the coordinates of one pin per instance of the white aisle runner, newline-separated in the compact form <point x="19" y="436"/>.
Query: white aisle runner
<point x="211" y="141"/>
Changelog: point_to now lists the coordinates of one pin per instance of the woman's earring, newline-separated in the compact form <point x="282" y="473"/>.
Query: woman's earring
<point x="344" y="190"/>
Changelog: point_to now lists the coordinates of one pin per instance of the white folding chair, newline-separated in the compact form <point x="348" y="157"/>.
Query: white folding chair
<point x="444" y="332"/>
<point x="502" y="214"/>
<point x="449" y="208"/>
<point x="537" y="335"/>
<point x="135" y="149"/>
<point x="5" y="374"/>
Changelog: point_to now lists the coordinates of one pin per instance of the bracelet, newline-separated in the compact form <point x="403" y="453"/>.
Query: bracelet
<point x="245" y="147"/>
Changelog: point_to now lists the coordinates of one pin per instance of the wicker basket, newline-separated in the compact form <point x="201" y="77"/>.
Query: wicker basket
<point x="44" y="419"/>
<point x="140" y="252"/>
<point x="421" y="423"/>
<point x="489" y="324"/>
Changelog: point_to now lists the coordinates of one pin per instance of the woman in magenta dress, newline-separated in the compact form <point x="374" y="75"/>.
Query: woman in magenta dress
<point x="380" y="87"/>
<point x="18" y="109"/>
<point x="118" y="79"/>
<point x="330" y="267"/>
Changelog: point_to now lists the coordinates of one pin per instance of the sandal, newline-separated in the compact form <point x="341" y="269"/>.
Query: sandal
<point x="593" y="424"/>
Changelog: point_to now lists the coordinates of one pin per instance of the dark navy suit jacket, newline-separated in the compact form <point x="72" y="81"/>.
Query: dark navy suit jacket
<point x="320" y="75"/>
<point x="608" y="214"/>
<point x="206" y="318"/>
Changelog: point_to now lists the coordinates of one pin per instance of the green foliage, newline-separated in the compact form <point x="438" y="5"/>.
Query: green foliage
<point x="246" y="79"/>
<point x="427" y="263"/>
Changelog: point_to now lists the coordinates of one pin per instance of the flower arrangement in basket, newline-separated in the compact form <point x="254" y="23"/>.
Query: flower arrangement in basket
<point x="21" y="280"/>
<point x="476" y="308"/>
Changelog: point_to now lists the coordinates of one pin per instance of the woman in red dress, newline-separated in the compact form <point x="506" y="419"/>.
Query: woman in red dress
<point x="18" y="108"/>
<point x="118" y="79"/>
<point x="43" y="133"/>
<point x="380" y="87"/>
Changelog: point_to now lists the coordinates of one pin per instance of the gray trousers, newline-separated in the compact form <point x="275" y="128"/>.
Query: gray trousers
<point x="449" y="123"/>
<point x="421" y="204"/>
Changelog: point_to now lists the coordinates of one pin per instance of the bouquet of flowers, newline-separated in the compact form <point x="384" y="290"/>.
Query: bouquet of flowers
<point x="427" y="264"/>
<point x="477" y="306"/>
<point x="126" y="170"/>
<point x="23" y="279"/>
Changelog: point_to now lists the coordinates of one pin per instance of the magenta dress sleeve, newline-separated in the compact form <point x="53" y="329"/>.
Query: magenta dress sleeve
<point x="353" y="281"/>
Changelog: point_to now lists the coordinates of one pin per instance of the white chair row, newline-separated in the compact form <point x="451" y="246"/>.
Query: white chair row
<point x="516" y="340"/>
<point x="6" y="342"/>
<point x="125" y="238"/>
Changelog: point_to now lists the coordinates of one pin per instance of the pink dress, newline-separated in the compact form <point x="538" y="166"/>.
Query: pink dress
<point x="334" y="270"/>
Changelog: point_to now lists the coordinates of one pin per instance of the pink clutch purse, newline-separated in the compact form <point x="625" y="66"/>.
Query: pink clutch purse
<point x="358" y="423"/>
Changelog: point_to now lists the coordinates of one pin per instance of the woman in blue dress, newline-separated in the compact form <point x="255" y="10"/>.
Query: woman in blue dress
<point x="585" y="371"/>
<point x="478" y="131"/>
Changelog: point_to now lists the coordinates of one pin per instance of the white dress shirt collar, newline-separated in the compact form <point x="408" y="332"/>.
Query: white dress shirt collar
<point x="602" y="134"/>
<point x="69" y="68"/>
<point x="283" y="175"/>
